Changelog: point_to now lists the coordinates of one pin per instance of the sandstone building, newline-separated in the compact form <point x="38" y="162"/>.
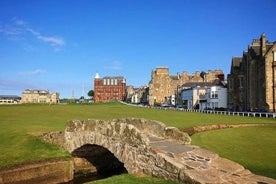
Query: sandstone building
<point x="39" y="96"/>
<point x="137" y="95"/>
<point x="252" y="79"/>
<point x="109" y="88"/>
<point x="163" y="86"/>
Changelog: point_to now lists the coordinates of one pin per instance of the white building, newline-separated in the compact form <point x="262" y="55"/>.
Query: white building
<point x="134" y="98"/>
<point x="204" y="95"/>
<point x="194" y="98"/>
<point x="216" y="97"/>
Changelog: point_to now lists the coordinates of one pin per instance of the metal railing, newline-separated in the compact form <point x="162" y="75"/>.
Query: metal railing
<point x="229" y="113"/>
<point x="233" y="113"/>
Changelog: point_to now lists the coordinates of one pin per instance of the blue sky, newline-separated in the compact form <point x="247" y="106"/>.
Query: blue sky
<point x="59" y="45"/>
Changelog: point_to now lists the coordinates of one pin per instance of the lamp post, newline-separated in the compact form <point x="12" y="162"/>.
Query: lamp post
<point x="176" y="95"/>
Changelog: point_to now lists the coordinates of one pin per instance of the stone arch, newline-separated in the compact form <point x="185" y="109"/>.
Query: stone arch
<point x="123" y="140"/>
<point x="101" y="158"/>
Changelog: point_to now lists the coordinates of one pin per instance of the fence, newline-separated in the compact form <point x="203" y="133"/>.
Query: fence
<point x="249" y="114"/>
<point x="230" y="113"/>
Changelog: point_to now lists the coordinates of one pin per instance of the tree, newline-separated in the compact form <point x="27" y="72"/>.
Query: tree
<point x="91" y="93"/>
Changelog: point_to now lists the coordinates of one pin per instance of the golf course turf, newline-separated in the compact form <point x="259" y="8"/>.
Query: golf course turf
<point x="253" y="147"/>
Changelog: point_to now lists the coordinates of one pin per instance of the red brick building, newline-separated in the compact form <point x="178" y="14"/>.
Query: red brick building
<point x="109" y="88"/>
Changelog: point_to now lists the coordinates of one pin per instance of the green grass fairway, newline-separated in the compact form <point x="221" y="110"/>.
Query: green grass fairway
<point x="20" y="124"/>
<point x="252" y="147"/>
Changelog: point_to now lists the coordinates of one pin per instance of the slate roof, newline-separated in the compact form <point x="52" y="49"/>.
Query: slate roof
<point x="114" y="77"/>
<point x="174" y="77"/>
<point x="216" y="82"/>
<point x="236" y="61"/>
<point x="195" y="84"/>
<point x="9" y="97"/>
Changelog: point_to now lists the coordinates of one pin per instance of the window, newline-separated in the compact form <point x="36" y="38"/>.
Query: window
<point x="241" y="97"/>
<point x="274" y="53"/>
<point x="230" y="84"/>
<point x="104" y="81"/>
<point x="214" y="94"/>
<point x="241" y="81"/>
<point x="115" y="81"/>
<point x="108" y="81"/>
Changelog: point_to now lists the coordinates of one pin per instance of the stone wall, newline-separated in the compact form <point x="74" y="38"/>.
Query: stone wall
<point x="56" y="171"/>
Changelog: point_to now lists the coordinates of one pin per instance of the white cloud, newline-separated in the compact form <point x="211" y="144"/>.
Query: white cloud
<point x="10" y="30"/>
<point x="20" y="22"/>
<point x="51" y="40"/>
<point x="48" y="39"/>
<point x="35" y="33"/>
<point x="32" y="73"/>
<point x="21" y="28"/>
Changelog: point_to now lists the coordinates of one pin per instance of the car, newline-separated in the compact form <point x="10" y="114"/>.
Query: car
<point x="179" y="107"/>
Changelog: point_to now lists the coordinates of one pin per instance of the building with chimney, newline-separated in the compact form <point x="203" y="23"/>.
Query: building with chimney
<point x="166" y="88"/>
<point x="252" y="79"/>
<point x="109" y="88"/>
<point x="204" y="95"/>
<point x="39" y="96"/>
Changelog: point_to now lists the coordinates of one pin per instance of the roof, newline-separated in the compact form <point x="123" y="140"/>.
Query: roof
<point x="236" y="61"/>
<point x="195" y="84"/>
<point x="113" y="77"/>
<point x="28" y="91"/>
<point x="9" y="97"/>
<point x="174" y="77"/>
<point x="256" y="49"/>
<point x="216" y="82"/>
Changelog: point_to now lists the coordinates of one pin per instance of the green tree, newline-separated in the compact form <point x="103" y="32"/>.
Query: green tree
<point x="91" y="93"/>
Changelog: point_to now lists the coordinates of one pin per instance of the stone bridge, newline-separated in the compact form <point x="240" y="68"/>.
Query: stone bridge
<point x="140" y="146"/>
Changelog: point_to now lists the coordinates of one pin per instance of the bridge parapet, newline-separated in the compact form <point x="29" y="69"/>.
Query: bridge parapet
<point x="149" y="147"/>
<point x="127" y="139"/>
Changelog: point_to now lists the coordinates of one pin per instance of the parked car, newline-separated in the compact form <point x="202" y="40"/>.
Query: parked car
<point x="179" y="108"/>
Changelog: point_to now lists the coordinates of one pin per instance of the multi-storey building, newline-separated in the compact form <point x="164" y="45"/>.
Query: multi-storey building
<point x="204" y="95"/>
<point x="109" y="88"/>
<point x="193" y="97"/>
<point x="163" y="86"/>
<point x="252" y="79"/>
<point x="39" y="96"/>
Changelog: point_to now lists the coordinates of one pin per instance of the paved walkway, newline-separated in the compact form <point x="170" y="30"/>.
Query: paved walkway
<point x="205" y="166"/>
